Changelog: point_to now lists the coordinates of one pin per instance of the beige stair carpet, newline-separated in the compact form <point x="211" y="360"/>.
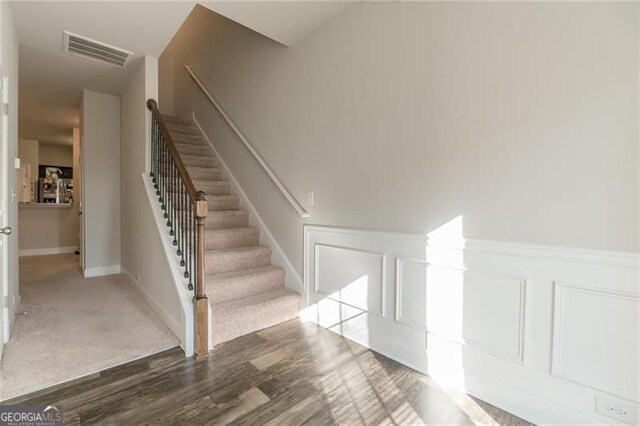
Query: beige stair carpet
<point x="245" y="291"/>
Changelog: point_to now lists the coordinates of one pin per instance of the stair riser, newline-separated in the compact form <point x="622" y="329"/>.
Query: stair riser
<point x="185" y="149"/>
<point x="231" y="203"/>
<point x="214" y="187"/>
<point x="236" y="238"/>
<point x="219" y="188"/>
<point x="212" y="174"/>
<point x="218" y="220"/>
<point x="180" y="128"/>
<point x="249" y="286"/>
<point x="228" y="262"/>
<point x="199" y="161"/>
<point x="222" y="332"/>
<point x="177" y="120"/>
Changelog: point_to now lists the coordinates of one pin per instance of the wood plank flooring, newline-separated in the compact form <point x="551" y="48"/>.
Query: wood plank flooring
<point x="290" y="374"/>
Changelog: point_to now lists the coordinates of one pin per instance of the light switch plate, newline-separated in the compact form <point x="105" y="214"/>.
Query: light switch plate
<point x="16" y="163"/>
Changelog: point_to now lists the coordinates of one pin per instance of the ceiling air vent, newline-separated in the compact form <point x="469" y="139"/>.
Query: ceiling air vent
<point x="92" y="49"/>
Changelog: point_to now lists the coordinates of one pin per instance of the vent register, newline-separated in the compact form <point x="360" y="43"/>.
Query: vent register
<point x="95" y="50"/>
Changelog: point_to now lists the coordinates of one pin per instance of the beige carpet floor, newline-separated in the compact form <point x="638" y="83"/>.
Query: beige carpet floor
<point x="73" y="326"/>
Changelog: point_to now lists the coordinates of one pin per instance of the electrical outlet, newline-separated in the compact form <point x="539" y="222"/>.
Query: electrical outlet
<point x="310" y="199"/>
<point x="616" y="408"/>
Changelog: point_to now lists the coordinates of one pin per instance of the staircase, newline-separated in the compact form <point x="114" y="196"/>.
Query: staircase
<point x="245" y="291"/>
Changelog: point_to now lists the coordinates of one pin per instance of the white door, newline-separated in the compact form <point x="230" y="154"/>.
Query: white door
<point x="4" y="230"/>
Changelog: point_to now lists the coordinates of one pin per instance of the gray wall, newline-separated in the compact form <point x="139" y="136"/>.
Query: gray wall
<point x="521" y="117"/>
<point x="100" y="124"/>
<point x="48" y="228"/>
<point x="56" y="155"/>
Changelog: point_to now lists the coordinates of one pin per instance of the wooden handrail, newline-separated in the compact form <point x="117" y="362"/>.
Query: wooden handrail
<point x="285" y="192"/>
<point x="175" y="209"/>
<point x="191" y="188"/>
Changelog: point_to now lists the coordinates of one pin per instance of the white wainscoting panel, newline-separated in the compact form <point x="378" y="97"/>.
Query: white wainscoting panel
<point x="588" y="345"/>
<point x="353" y="277"/>
<point x="508" y="319"/>
<point x="494" y="313"/>
<point x="411" y="293"/>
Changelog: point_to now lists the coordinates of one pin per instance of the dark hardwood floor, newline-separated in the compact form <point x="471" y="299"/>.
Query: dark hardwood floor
<point x="293" y="373"/>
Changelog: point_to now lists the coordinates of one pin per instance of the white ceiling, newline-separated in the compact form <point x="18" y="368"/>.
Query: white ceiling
<point x="286" y="22"/>
<point x="51" y="81"/>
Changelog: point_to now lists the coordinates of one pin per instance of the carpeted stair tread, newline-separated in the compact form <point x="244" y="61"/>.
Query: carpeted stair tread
<point x="188" y="129"/>
<point x="222" y="202"/>
<point x="231" y="237"/>
<point x="204" y="173"/>
<point x="191" y="140"/>
<point x="247" y="282"/>
<point x="236" y="258"/>
<point x="217" y="219"/>
<point x="245" y="291"/>
<point x="177" y="120"/>
<point x="213" y="187"/>
<point x="248" y="314"/>
<point x="193" y="149"/>
<point x="199" y="160"/>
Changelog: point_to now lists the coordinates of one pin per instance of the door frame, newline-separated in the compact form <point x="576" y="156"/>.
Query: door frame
<point x="4" y="207"/>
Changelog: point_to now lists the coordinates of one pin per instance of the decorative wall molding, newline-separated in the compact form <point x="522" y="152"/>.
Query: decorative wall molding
<point x="559" y="254"/>
<point x="398" y="317"/>
<point x="352" y="252"/>
<point x="562" y="291"/>
<point x="518" y="355"/>
<point x="509" y="340"/>
<point x="47" y="251"/>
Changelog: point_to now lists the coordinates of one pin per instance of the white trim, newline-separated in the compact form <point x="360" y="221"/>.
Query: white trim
<point x="47" y="251"/>
<point x="173" y="325"/>
<point x="101" y="271"/>
<point x="530" y="406"/>
<point x="383" y="280"/>
<point x="294" y="203"/>
<point x="621" y="259"/>
<point x="510" y="380"/>
<point x="293" y="279"/>
<point x="563" y="254"/>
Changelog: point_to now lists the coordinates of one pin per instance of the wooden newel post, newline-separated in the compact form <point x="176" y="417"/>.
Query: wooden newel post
<point x="201" y="302"/>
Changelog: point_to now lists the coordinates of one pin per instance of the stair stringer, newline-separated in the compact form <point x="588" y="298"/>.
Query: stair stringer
<point x="293" y="281"/>
<point x="186" y="326"/>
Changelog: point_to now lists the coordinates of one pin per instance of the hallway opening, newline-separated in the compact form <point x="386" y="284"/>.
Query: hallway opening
<point x="70" y="326"/>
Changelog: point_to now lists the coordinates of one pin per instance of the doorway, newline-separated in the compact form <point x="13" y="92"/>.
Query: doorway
<point x="5" y="230"/>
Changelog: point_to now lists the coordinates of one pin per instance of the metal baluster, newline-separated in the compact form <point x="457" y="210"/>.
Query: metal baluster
<point x="174" y="197"/>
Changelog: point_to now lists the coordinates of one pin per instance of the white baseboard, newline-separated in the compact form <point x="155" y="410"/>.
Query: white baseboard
<point x="47" y="251"/>
<point x="101" y="271"/>
<point x="293" y="281"/>
<point x="173" y="325"/>
<point x="527" y="405"/>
